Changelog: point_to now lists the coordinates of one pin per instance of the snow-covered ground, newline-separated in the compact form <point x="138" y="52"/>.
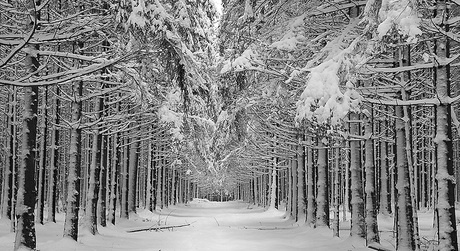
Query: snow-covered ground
<point x="214" y="226"/>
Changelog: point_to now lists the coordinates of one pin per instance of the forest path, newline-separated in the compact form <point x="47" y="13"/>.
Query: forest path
<point x="214" y="226"/>
<point x="221" y="226"/>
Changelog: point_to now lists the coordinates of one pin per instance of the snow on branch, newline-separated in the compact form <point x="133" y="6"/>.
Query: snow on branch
<point x="291" y="38"/>
<point x="169" y="117"/>
<point x="322" y="100"/>
<point x="400" y="15"/>
<point x="334" y="7"/>
<point x="243" y="62"/>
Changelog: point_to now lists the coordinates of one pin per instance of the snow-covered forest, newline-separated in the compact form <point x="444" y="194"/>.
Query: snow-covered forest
<point x="329" y="125"/>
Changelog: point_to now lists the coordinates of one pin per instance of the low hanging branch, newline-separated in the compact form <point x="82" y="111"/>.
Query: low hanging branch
<point x="378" y="247"/>
<point x="156" y="228"/>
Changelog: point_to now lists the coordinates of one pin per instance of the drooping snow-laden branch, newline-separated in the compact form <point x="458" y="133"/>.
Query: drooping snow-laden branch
<point x="437" y="62"/>
<point x="419" y="102"/>
<point x="41" y="38"/>
<point x="24" y="42"/>
<point x="64" y="77"/>
<point x="94" y="59"/>
<point x="336" y="7"/>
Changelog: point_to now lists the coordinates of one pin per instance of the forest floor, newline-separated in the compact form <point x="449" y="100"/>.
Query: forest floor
<point x="214" y="226"/>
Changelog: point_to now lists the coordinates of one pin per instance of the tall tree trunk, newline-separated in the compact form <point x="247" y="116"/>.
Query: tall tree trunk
<point x="300" y="181"/>
<point x="159" y="181"/>
<point x="25" y="201"/>
<point x="149" y="180"/>
<point x="42" y="160"/>
<point x="102" y="203"/>
<point x="7" y="189"/>
<point x="115" y="172"/>
<point x="173" y="186"/>
<point x="384" y="194"/>
<point x="310" y="181"/>
<point x="90" y="220"/>
<point x="336" y="194"/>
<point x="164" y="180"/>
<point x="26" y="193"/>
<point x="256" y="190"/>
<point x="405" y="225"/>
<point x="132" y="181"/>
<point x="155" y="179"/>
<point x="124" y="180"/>
<point x="372" y="233"/>
<point x="114" y="180"/>
<point x="273" y="176"/>
<point x="322" y="199"/>
<point x="290" y="194"/>
<point x="54" y="160"/>
<point x="294" y="199"/>
<point x="358" y="227"/>
<point x="273" y="188"/>
<point x="404" y="214"/>
<point x="85" y="165"/>
<point x="346" y="177"/>
<point x="445" y="178"/>
<point x="274" y="181"/>
<point x="74" y="169"/>
<point x="405" y="78"/>
<point x="14" y="162"/>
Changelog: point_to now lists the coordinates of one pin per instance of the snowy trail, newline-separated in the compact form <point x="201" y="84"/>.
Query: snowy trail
<point x="230" y="226"/>
<point x="215" y="226"/>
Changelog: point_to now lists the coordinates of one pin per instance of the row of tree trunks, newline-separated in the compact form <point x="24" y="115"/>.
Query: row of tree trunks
<point x="10" y="162"/>
<point x="360" y="155"/>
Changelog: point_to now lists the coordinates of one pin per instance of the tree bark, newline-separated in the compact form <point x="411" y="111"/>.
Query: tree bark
<point x="124" y="180"/>
<point x="290" y="193"/>
<point x="336" y="194"/>
<point x="26" y="196"/>
<point x="384" y="194"/>
<point x="322" y="199"/>
<point x="358" y="226"/>
<point x="273" y="176"/>
<point x="294" y="200"/>
<point x="447" y="225"/>
<point x="132" y="181"/>
<point x="74" y="169"/>
<point x="54" y="160"/>
<point x="300" y="182"/>
<point x="14" y="161"/>
<point x="114" y="180"/>
<point x="372" y="232"/>
<point x="405" y="226"/>
<point x="7" y="186"/>
<point x="42" y="160"/>
<point x="149" y="180"/>
<point x="310" y="181"/>
<point x="92" y="194"/>
<point x="159" y="181"/>
<point x="102" y="203"/>
<point x="405" y="78"/>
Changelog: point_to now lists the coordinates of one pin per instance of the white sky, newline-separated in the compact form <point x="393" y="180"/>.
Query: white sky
<point x="218" y="4"/>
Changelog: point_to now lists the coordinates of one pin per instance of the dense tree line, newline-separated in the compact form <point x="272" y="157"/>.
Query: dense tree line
<point x="319" y="109"/>
<point x="89" y="90"/>
<point x="348" y="107"/>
